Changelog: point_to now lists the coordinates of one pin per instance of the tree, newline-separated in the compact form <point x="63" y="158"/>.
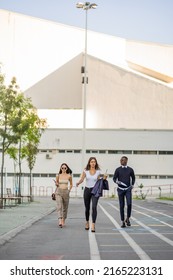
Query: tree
<point x="28" y="127"/>
<point x="8" y="104"/>
<point x="20" y="129"/>
<point x="33" y="135"/>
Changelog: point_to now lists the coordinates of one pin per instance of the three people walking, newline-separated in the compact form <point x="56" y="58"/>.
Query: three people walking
<point x="124" y="177"/>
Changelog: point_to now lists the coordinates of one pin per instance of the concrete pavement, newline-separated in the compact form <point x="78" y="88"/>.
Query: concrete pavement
<point x="15" y="219"/>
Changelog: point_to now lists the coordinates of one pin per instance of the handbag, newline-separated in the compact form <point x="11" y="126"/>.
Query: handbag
<point x="53" y="196"/>
<point x="56" y="184"/>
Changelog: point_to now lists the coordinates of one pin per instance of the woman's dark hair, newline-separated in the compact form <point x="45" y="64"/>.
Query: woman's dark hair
<point x="68" y="171"/>
<point x="88" y="164"/>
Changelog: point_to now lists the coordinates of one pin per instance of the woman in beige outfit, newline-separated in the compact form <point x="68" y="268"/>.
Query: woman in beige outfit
<point x="63" y="187"/>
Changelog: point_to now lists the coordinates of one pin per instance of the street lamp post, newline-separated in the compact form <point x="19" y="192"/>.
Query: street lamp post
<point x="85" y="6"/>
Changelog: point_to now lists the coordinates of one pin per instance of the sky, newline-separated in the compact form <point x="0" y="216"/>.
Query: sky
<point x="141" y="20"/>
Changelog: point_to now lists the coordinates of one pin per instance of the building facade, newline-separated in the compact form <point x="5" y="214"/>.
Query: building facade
<point x="150" y="154"/>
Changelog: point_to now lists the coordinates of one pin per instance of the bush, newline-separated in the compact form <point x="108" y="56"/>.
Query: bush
<point x="142" y="194"/>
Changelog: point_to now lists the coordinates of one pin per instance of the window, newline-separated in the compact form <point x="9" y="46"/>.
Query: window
<point x="44" y="175"/>
<point x="165" y="152"/>
<point x="61" y="151"/>
<point x="76" y="175"/>
<point x="112" y="152"/>
<point x="102" y="151"/>
<point x="162" y="177"/>
<point x="51" y="175"/>
<point x="144" y="177"/>
<point x="77" y="151"/>
<point x="92" y="151"/>
<point x="145" y="152"/>
<point x="36" y="175"/>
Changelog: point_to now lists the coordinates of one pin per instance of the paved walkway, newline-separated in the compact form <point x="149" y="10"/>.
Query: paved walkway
<point x="15" y="219"/>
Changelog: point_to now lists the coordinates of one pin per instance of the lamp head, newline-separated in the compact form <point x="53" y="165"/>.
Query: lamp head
<point x="93" y="6"/>
<point x="79" y="5"/>
<point x="86" y="5"/>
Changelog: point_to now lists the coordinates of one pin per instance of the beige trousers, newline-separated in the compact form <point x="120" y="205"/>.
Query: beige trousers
<point x="62" y="199"/>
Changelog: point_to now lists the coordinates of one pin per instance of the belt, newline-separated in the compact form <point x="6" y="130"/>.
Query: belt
<point x="123" y="189"/>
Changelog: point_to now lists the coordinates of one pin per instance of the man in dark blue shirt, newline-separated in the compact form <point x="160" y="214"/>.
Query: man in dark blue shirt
<point x="124" y="176"/>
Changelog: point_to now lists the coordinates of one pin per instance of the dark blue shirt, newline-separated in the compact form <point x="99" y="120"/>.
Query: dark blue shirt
<point x="125" y="175"/>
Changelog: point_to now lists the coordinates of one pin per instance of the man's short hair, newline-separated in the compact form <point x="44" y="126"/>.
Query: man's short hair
<point x="125" y="157"/>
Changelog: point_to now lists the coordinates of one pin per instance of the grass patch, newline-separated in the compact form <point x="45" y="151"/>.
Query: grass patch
<point x="165" y="198"/>
<point x="138" y="198"/>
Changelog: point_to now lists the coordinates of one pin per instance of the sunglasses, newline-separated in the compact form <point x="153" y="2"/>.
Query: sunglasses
<point x="64" y="168"/>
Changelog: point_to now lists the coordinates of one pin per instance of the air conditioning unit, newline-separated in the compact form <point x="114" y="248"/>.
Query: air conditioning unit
<point x="48" y="156"/>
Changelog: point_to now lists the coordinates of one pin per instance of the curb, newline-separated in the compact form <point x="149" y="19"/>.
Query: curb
<point x="168" y="202"/>
<point x="12" y="233"/>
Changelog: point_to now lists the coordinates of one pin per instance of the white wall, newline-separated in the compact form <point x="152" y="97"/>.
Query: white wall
<point x="152" y="56"/>
<point x="38" y="52"/>
<point x="117" y="98"/>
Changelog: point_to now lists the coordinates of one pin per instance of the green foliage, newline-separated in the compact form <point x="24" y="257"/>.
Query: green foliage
<point x="12" y="151"/>
<point x="20" y="126"/>
<point x="7" y="108"/>
<point x="166" y="198"/>
<point x="142" y="194"/>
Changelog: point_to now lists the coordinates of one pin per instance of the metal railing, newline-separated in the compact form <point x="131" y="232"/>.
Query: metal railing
<point x="148" y="191"/>
<point x="155" y="190"/>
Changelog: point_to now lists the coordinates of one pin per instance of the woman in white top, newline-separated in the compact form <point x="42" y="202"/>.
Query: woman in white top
<point x="91" y="174"/>
<point x="63" y="180"/>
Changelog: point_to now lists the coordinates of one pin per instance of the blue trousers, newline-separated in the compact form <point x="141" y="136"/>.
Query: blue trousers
<point x="122" y="194"/>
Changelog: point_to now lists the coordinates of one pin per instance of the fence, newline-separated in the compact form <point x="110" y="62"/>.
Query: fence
<point x="155" y="191"/>
<point x="149" y="191"/>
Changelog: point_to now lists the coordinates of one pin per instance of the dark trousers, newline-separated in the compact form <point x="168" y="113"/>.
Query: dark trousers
<point x="122" y="194"/>
<point x="88" y="197"/>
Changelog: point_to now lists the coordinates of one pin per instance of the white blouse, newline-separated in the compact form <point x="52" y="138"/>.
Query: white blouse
<point x="91" y="179"/>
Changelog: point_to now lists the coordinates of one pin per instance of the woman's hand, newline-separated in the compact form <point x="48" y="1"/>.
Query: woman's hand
<point x="105" y="175"/>
<point x="81" y="179"/>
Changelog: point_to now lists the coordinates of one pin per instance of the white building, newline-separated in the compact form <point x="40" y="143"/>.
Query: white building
<point x="129" y="102"/>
